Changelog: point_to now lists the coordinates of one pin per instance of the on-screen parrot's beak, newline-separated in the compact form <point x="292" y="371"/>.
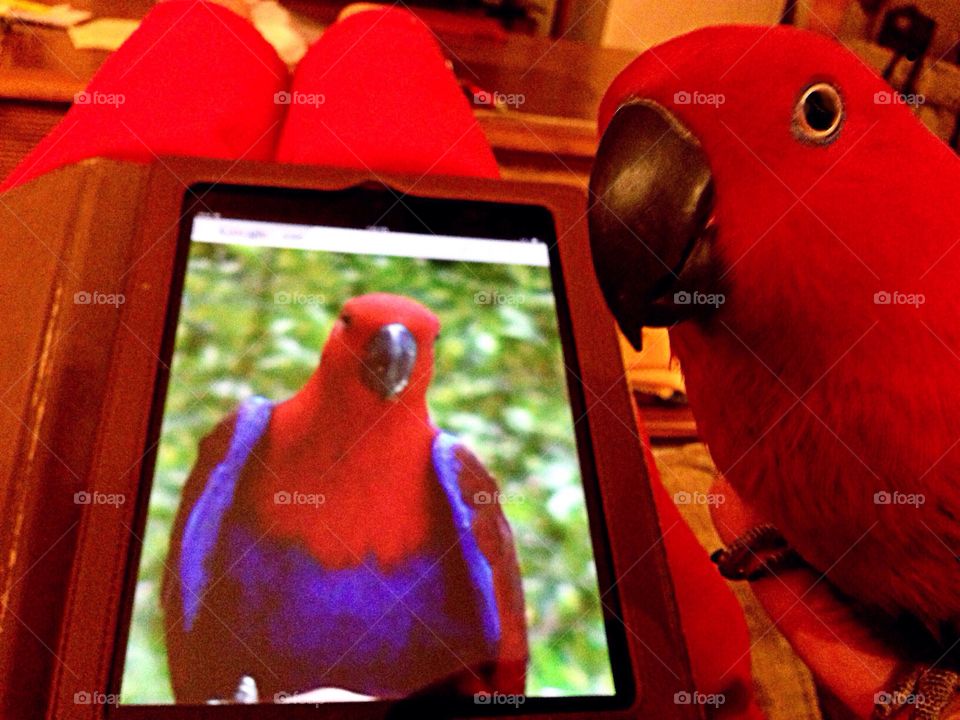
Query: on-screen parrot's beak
<point x="389" y="360"/>
<point x="651" y="199"/>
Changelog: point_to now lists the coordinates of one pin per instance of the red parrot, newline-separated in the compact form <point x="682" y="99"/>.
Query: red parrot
<point x="340" y="539"/>
<point x="760" y="191"/>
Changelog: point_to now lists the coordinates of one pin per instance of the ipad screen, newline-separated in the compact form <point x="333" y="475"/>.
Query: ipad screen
<point x="366" y="481"/>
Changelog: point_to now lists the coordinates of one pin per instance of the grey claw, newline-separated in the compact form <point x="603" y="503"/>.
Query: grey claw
<point x="760" y="551"/>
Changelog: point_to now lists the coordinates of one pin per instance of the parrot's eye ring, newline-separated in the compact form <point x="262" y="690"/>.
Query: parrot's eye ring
<point x="819" y="114"/>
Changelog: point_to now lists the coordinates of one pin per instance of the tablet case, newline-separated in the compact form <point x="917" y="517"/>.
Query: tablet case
<point x="72" y="374"/>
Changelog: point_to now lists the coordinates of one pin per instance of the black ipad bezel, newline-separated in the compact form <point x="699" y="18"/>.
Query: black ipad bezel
<point x="363" y="207"/>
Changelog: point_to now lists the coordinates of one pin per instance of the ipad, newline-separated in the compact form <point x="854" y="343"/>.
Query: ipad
<point x="364" y="447"/>
<point x="270" y="298"/>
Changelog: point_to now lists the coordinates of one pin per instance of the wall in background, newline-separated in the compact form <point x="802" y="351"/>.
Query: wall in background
<point x="638" y="24"/>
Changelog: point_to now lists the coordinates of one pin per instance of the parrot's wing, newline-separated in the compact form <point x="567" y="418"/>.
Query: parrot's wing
<point x="184" y="661"/>
<point x="210" y="452"/>
<point x="490" y="554"/>
<point x="207" y="497"/>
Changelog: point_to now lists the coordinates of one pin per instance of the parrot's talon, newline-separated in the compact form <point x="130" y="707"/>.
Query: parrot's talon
<point x="247" y="692"/>
<point x="921" y="693"/>
<point x="760" y="551"/>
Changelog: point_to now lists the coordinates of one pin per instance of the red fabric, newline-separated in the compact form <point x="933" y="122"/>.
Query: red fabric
<point x="385" y="102"/>
<point x="373" y="93"/>
<point x="716" y="633"/>
<point x="172" y="90"/>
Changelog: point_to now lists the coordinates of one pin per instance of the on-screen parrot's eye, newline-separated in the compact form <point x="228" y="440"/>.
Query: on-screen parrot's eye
<point x="345" y="317"/>
<point x="819" y="114"/>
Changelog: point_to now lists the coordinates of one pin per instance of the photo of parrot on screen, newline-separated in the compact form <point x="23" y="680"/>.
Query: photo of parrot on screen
<point x="765" y="195"/>
<point x="339" y="539"/>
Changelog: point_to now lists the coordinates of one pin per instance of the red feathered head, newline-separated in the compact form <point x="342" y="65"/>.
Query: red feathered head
<point x="762" y="178"/>
<point x="381" y="349"/>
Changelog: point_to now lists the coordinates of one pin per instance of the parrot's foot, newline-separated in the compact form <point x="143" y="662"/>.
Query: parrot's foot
<point x="245" y="694"/>
<point x="760" y="551"/>
<point x="919" y="694"/>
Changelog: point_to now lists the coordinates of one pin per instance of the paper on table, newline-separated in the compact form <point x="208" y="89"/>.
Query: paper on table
<point x="102" y="34"/>
<point x="40" y="14"/>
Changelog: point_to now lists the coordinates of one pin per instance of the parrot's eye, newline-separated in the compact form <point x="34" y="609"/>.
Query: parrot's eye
<point x="346" y="319"/>
<point x="818" y="114"/>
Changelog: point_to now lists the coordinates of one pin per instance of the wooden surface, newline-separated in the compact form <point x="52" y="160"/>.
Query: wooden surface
<point x="669" y="424"/>
<point x="22" y="124"/>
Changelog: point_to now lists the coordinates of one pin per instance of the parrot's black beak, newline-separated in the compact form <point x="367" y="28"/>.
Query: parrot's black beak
<point x="389" y="360"/>
<point x="651" y="199"/>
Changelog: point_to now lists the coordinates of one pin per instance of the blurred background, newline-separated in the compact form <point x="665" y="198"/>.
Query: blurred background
<point x="535" y="70"/>
<point x="253" y="321"/>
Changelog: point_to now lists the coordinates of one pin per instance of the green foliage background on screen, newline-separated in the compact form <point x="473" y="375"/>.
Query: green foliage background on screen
<point x="253" y="320"/>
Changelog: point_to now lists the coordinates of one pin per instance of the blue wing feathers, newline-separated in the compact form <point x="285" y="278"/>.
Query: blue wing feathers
<point x="448" y="468"/>
<point x="203" y="526"/>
